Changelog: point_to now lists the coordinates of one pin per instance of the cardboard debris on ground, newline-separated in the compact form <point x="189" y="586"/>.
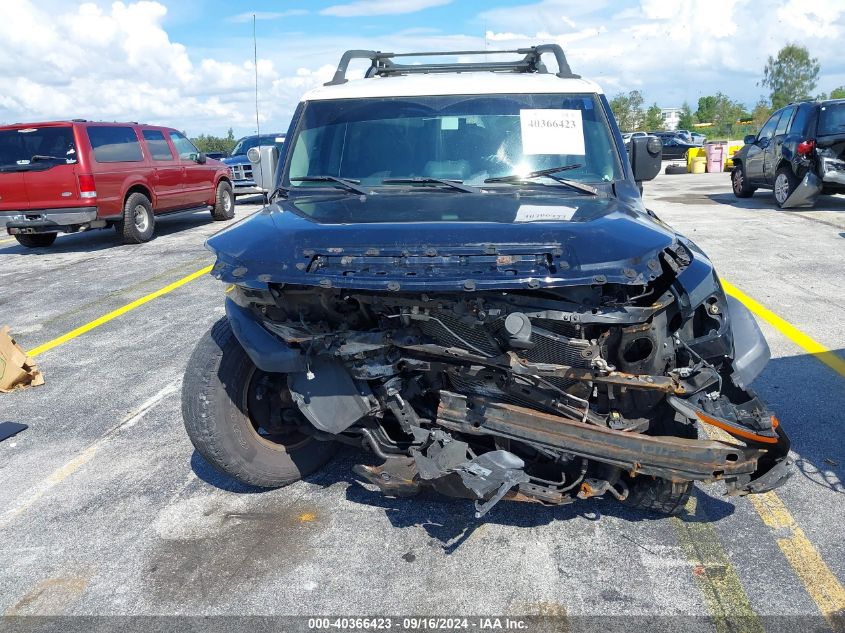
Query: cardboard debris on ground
<point x="17" y="370"/>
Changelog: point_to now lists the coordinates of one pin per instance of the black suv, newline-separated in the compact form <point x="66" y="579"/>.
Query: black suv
<point x="458" y="274"/>
<point x="674" y="147"/>
<point x="799" y="153"/>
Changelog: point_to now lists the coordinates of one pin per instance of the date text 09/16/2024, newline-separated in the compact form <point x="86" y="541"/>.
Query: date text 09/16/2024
<point x="418" y="623"/>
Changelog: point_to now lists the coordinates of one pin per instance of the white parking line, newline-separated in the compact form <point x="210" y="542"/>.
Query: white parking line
<point x="66" y="470"/>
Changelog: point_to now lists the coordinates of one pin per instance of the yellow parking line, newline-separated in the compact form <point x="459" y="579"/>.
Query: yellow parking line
<point x="64" y="338"/>
<point x="714" y="573"/>
<point x="808" y="344"/>
<point x="821" y="584"/>
<point x="819" y="581"/>
<point x="5" y="241"/>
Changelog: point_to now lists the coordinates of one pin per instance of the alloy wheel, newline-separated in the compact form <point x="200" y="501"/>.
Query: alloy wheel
<point x="142" y="218"/>
<point x="781" y="188"/>
<point x="738" y="180"/>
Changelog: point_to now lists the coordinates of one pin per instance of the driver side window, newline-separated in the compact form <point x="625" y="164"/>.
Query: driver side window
<point x="768" y="130"/>
<point x="183" y="146"/>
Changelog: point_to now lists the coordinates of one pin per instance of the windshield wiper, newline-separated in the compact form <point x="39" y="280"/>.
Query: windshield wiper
<point x="38" y="157"/>
<point x="574" y="184"/>
<point x="425" y="180"/>
<point x="533" y="174"/>
<point x="343" y="183"/>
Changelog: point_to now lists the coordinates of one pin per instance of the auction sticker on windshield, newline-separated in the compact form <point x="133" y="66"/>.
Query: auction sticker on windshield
<point x="539" y="213"/>
<point x="554" y="132"/>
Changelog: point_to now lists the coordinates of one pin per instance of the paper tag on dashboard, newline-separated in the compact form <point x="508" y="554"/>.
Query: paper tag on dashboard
<point x="556" y="132"/>
<point x="540" y="213"/>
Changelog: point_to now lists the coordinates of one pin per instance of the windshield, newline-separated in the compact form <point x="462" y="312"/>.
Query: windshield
<point x="460" y="137"/>
<point x="832" y="119"/>
<point x="36" y="148"/>
<point x="246" y="144"/>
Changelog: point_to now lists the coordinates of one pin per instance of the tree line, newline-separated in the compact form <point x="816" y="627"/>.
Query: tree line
<point x="210" y="143"/>
<point x="790" y="76"/>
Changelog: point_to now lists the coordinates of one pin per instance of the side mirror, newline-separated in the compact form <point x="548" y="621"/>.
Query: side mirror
<point x="646" y="156"/>
<point x="201" y="158"/>
<point x="749" y="140"/>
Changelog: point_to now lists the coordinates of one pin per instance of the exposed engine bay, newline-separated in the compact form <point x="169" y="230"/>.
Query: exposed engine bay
<point x="543" y="395"/>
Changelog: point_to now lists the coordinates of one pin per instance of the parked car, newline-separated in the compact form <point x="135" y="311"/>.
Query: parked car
<point x="686" y="135"/>
<point x="241" y="168"/>
<point x="627" y="136"/>
<point x="698" y="139"/>
<point x="799" y="153"/>
<point x="661" y="134"/>
<point x="69" y="176"/>
<point x="674" y="147"/>
<point x="217" y="155"/>
<point x="458" y="274"/>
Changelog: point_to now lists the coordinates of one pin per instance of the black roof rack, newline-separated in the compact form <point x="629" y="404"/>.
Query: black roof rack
<point x="382" y="64"/>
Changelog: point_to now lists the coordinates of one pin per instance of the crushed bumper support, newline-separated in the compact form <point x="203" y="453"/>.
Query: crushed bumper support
<point x="666" y="457"/>
<point x="497" y="475"/>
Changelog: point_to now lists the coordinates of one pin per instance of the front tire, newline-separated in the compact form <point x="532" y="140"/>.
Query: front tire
<point x="741" y="187"/>
<point x="138" y="222"/>
<point x="242" y="420"/>
<point x="36" y="240"/>
<point x="224" y="206"/>
<point x="785" y="185"/>
<point x="653" y="494"/>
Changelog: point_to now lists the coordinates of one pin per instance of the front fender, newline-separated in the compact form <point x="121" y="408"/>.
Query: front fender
<point x="751" y="352"/>
<point x="264" y="349"/>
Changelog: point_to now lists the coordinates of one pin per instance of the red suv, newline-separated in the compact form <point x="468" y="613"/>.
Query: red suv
<point x="68" y="176"/>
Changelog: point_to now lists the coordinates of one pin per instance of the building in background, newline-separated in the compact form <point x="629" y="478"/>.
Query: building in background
<point x="671" y="118"/>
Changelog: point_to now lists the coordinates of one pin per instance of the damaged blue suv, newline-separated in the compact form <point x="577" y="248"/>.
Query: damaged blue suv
<point x="457" y="274"/>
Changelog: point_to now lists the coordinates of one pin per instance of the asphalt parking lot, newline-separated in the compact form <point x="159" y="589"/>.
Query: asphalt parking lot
<point x="106" y="509"/>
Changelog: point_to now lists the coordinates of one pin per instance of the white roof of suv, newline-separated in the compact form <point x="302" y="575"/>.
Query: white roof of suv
<point x="458" y="83"/>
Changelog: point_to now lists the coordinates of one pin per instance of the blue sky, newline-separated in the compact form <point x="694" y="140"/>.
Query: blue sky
<point x="188" y="63"/>
<point x="277" y="18"/>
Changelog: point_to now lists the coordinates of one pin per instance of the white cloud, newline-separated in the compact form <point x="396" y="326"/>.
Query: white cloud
<point x="267" y="15"/>
<point x="676" y="50"/>
<point x="381" y="7"/>
<point x="120" y="64"/>
<point x="819" y="17"/>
